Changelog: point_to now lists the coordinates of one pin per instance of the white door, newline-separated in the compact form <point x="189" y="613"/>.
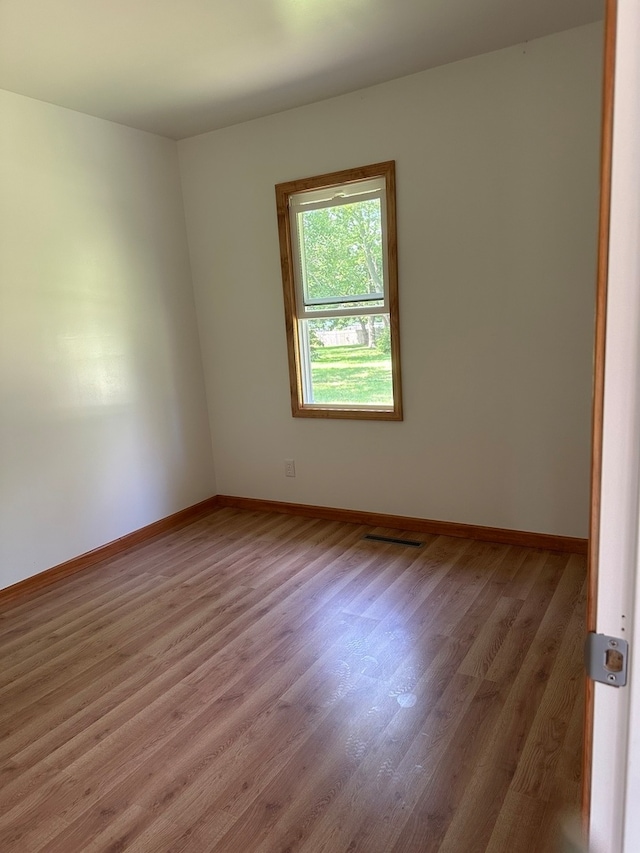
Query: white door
<point x="615" y="788"/>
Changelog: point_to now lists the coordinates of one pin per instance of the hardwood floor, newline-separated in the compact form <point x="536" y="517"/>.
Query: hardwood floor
<point x="258" y="682"/>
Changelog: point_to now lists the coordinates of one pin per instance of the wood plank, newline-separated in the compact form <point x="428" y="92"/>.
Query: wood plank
<point x="401" y="523"/>
<point x="276" y="682"/>
<point x="90" y="558"/>
<point x="491" y="637"/>
<point x="473" y="823"/>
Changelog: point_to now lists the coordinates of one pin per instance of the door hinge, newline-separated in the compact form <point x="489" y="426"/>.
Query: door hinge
<point x="606" y="658"/>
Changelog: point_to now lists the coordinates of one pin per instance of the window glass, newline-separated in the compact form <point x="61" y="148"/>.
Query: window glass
<point x="338" y="252"/>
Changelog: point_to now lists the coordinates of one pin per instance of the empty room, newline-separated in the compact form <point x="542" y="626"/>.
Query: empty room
<point x="297" y="312"/>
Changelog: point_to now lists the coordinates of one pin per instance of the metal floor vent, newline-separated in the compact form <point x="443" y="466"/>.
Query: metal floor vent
<point x="412" y="543"/>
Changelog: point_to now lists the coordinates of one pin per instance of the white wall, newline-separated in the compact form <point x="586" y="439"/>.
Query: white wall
<point x="103" y="424"/>
<point x="497" y="169"/>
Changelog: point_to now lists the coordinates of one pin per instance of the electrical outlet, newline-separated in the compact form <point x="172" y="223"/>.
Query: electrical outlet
<point x="289" y="468"/>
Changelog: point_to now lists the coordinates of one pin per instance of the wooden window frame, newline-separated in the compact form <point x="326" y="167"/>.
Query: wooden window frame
<point x="284" y="191"/>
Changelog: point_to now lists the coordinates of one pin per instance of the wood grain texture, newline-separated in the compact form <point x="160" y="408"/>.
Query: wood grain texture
<point x="547" y="541"/>
<point x="106" y="552"/>
<point x="606" y="146"/>
<point x="263" y="682"/>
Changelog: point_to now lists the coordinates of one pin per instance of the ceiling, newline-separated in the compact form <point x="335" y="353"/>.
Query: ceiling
<point x="183" y="67"/>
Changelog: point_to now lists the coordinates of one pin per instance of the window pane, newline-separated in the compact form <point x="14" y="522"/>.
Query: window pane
<point x="347" y="361"/>
<point x="338" y="254"/>
<point x="341" y="251"/>
<point x="346" y="306"/>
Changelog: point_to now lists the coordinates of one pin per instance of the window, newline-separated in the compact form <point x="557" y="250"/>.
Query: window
<point x="339" y="272"/>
